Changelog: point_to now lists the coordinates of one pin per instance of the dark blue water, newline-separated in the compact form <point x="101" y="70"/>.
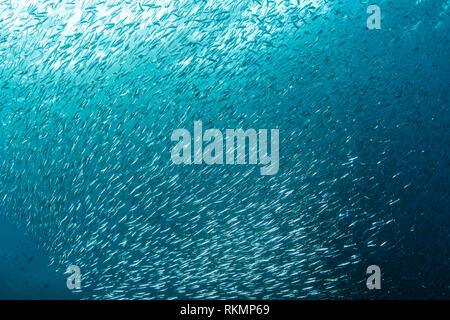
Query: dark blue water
<point x="91" y="92"/>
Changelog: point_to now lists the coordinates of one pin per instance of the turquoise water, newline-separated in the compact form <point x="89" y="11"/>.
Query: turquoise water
<point x="91" y="92"/>
<point x="24" y="269"/>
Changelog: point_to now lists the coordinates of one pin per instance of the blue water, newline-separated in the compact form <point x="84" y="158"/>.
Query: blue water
<point x="91" y="92"/>
<point x="24" y="269"/>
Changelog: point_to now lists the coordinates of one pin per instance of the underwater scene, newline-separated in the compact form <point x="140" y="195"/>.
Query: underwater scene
<point x="210" y="149"/>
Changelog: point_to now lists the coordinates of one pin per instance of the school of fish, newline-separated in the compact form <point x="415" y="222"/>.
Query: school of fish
<point x="91" y="91"/>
